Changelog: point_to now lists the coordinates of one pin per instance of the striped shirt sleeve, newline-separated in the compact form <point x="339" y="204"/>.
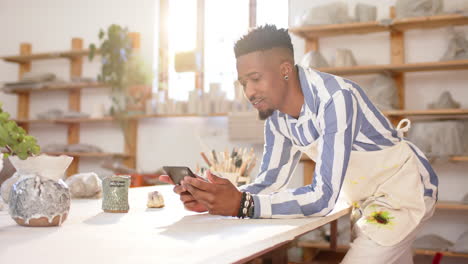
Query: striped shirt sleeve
<point x="338" y="125"/>
<point x="279" y="160"/>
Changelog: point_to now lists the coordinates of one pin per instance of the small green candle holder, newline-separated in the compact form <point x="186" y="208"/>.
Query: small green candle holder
<point x="115" y="194"/>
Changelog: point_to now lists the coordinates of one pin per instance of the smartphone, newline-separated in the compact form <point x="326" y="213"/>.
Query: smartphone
<point x="178" y="173"/>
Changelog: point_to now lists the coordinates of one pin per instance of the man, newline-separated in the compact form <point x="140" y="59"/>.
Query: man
<point x="358" y="155"/>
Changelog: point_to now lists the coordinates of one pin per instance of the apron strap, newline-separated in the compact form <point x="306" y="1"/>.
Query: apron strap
<point x="403" y="126"/>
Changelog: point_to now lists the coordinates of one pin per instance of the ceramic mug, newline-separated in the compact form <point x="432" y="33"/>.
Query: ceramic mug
<point x="115" y="194"/>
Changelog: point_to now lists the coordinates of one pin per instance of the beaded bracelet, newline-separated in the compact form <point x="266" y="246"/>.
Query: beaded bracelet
<point x="250" y="211"/>
<point x="241" y="207"/>
<point x="246" y="206"/>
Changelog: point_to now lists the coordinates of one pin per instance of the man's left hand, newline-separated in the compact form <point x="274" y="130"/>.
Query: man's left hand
<point x="219" y="195"/>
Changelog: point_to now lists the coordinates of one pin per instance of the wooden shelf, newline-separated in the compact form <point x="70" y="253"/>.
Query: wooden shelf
<point x="46" y="56"/>
<point x="315" y="31"/>
<point x="64" y="121"/>
<point x="181" y="115"/>
<point x="107" y="119"/>
<point x="390" y="113"/>
<point x="311" y="32"/>
<point x="429" y="22"/>
<point x="398" y="68"/>
<point x="430" y="66"/>
<point x="428" y="112"/>
<point x="61" y="87"/>
<point x="428" y="252"/>
<point x="306" y="158"/>
<point x="459" y="158"/>
<point x="75" y="56"/>
<point x="344" y="248"/>
<point x="449" y="205"/>
<point x="89" y="154"/>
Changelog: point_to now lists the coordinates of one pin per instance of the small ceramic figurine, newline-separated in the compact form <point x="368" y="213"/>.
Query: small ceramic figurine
<point x="155" y="200"/>
<point x="115" y="194"/>
<point x="445" y="101"/>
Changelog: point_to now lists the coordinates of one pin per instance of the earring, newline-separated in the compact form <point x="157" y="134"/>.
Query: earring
<point x="286" y="77"/>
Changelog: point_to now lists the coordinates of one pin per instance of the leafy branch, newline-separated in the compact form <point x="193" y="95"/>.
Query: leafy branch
<point x="15" y="139"/>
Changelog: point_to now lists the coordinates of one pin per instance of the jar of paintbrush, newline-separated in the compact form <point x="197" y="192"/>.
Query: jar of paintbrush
<point x="235" y="165"/>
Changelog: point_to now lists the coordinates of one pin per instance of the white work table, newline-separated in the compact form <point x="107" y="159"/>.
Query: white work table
<point x="146" y="235"/>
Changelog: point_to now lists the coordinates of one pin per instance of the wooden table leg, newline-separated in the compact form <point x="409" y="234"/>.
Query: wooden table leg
<point x="276" y="256"/>
<point x="280" y="255"/>
<point x="333" y="235"/>
<point x="309" y="254"/>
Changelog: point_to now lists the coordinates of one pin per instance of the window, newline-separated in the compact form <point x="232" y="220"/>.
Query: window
<point x="272" y="12"/>
<point x="182" y="36"/>
<point x="225" y="22"/>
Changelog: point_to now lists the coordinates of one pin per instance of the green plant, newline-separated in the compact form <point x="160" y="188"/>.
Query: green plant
<point x="121" y="69"/>
<point x="15" y="139"/>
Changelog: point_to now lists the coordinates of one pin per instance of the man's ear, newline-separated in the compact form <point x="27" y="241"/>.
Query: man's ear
<point x="286" y="68"/>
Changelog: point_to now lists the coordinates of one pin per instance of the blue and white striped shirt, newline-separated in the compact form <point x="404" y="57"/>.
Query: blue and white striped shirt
<point x="338" y="114"/>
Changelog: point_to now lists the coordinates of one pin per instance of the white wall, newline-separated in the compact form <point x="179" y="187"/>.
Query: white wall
<point x="50" y="25"/>
<point x="421" y="88"/>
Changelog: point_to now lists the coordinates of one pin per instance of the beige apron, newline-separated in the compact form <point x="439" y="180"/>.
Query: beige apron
<point x="385" y="190"/>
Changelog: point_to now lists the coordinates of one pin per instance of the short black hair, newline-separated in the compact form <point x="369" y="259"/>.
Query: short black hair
<point x="263" y="38"/>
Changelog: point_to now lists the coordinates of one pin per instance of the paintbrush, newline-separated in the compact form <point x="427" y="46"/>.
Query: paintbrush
<point x="205" y="159"/>
<point x="251" y="166"/>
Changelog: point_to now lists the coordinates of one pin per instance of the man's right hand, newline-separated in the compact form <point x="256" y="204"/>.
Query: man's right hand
<point x="190" y="203"/>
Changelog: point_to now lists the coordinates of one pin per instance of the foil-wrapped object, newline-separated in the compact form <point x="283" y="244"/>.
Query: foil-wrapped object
<point x="40" y="197"/>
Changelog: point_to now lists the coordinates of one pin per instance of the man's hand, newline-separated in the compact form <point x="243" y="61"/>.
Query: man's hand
<point x="218" y="195"/>
<point x="189" y="201"/>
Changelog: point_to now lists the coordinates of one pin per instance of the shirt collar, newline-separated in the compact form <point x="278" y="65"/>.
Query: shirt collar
<point x="305" y="87"/>
<point x="304" y="115"/>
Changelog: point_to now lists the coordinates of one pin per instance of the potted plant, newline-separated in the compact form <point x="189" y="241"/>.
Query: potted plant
<point x="123" y="70"/>
<point x="36" y="194"/>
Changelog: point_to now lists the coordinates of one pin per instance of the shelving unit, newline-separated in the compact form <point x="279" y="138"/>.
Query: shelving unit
<point x="313" y="32"/>
<point x="397" y="67"/>
<point x="75" y="57"/>
<point x="66" y="121"/>
<point x="428" y="113"/>
<point x="89" y="154"/>
<point x="77" y="52"/>
<point x="450" y="205"/>
<point x="61" y="87"/>
<point x="448" y="113"/>
<point x="306" y="158"/>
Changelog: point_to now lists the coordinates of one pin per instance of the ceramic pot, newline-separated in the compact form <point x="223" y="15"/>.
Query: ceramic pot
<point x="40" y="197"/>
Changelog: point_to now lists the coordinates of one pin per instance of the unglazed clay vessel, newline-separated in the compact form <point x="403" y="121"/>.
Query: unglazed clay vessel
<point x="40" y="197"/>
<point x="85" y="185"/>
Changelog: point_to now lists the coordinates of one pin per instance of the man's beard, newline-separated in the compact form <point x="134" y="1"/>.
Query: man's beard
<point x="265" y="114"/>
